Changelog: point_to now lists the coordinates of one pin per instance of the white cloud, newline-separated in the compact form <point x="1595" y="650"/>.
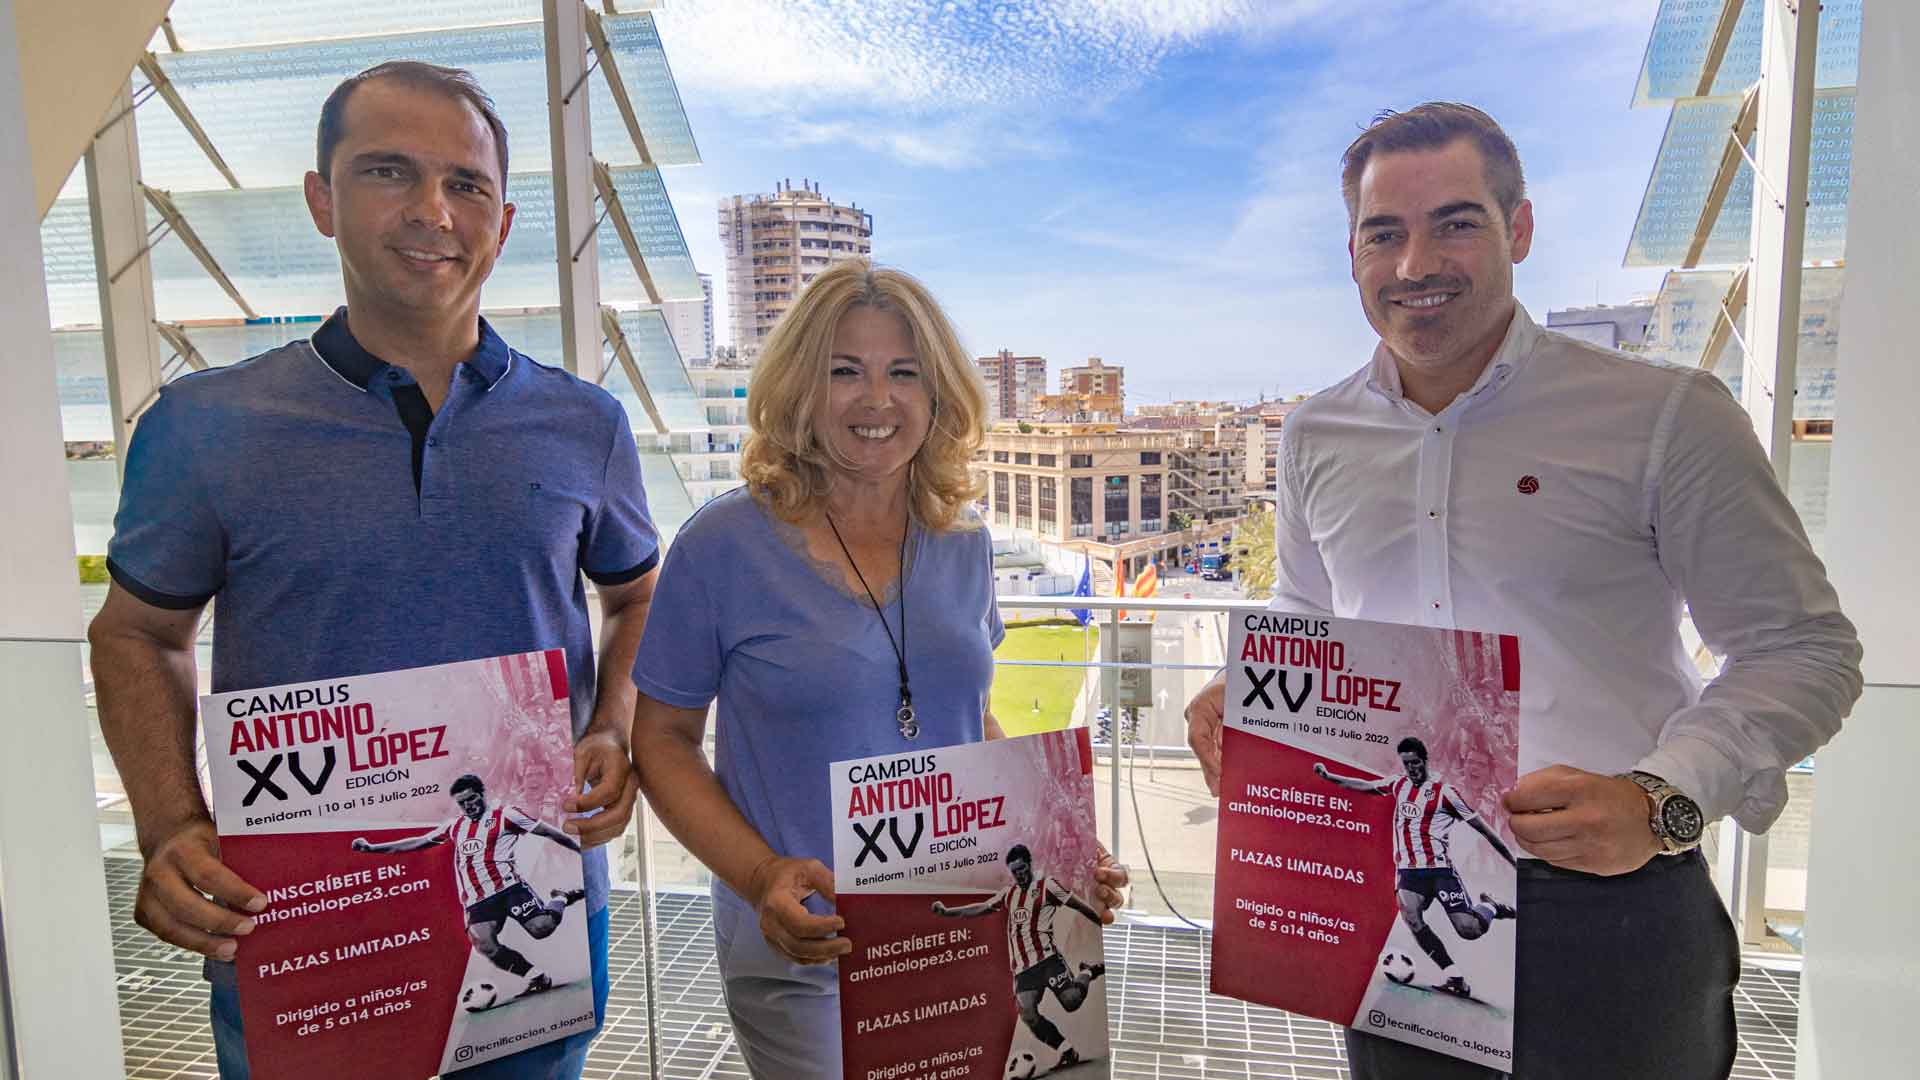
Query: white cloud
<point x="957" y="142"/>
<point x="933" y="56"/>
<point x="1261" y="301"/>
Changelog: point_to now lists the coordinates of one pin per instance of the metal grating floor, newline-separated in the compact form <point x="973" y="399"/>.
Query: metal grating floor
<point x="1166" y="1025"/>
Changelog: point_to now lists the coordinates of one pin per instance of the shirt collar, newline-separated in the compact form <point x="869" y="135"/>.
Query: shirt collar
<point x="341" y="351"/>
<point x="1523" y="334"/>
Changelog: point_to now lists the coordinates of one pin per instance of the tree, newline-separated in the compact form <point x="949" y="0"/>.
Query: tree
<point x="1026" y="428"/>
<point x="1179" y="520"/>
<point x="1253" y="554"/>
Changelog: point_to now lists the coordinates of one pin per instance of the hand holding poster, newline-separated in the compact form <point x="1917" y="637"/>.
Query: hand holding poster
<point x="421" y="895"/>
<point x="965" y="876"/>
<point x="1365" y="872"/>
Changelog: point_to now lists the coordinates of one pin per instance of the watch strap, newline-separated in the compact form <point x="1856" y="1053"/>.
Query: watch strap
<point x="1659" y="793"/>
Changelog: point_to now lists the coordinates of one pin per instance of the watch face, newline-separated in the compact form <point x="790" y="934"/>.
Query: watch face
<point x="1681" y="818"/>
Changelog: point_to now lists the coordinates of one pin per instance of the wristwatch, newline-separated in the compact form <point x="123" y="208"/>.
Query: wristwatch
<point x="1676" y="820"/>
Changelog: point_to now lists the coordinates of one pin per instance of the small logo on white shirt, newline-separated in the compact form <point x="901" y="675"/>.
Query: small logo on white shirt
<point x="1529" y="484"/>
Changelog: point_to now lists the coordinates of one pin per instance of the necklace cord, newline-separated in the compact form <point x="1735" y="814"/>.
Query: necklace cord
<point x="899" y="647"/>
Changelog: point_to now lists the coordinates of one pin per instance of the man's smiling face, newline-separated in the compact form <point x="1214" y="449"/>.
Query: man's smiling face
<point x="413" y="198"/>
<point x="1433" y="254"/>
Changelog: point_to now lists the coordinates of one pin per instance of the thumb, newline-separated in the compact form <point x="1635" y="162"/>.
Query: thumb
<point x="815" y="874"/>
<point x="1550" y="788"/>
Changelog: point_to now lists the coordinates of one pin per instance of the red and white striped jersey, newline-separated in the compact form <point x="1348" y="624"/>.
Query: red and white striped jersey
<point x="1422" y="818"/>
<point x="483" y="850"/>
<point x="1030" y="912"/>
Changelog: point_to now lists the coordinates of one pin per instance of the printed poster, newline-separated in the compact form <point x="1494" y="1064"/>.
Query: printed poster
<point x="1365" y="870"/>
<point x="424" y="906"/>
<point x="965" y="875"/>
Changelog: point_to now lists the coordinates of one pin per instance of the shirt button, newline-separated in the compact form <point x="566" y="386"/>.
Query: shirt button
<point x="1433" y="513"/>
<point x="394" y="376"/>
<point x="1436" y="605"/>
<point x="1438" y="430"/>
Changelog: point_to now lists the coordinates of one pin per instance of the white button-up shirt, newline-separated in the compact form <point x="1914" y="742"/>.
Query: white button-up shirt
<point x="1578" y="497"/>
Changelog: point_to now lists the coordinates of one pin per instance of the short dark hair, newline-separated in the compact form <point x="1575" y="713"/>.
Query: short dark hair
<point x="1019" y="853"/>
<point x="1411" y="745"/>
<point x="467" y="782"/>
<point x="1432" y="126"/>
<point x="453" y="82"/>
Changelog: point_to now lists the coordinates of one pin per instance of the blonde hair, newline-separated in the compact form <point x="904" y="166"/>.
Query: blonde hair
<point x="785" y="463"/>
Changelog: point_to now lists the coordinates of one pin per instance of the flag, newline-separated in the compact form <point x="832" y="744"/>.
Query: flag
<point x="1119" y="586"/>
<point x="1147" y="583"/>
<point x="1085" y="588"/>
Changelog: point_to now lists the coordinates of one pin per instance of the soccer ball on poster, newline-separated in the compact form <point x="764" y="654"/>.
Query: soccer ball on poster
<point x="480" y="996"/>
<point x="1022" y="1065"/>
<point x="1396" y="966"/>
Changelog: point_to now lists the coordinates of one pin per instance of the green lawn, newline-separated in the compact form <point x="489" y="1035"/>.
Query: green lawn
<point x="1017" y="689"/>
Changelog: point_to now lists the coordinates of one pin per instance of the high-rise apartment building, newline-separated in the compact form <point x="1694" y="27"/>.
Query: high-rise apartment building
<point x="690" y="322"/>
<point x="706" y="316"/>
<point x="1097" y="378"/>
<point x="1015" y="384"/>
<point x="777" y="243"/>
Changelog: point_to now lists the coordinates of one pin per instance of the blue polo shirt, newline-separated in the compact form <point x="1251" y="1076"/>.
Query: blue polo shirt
<point x="344" y="528"/>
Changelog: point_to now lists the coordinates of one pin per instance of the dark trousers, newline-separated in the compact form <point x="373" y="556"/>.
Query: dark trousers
<point x="1619" y="977"/>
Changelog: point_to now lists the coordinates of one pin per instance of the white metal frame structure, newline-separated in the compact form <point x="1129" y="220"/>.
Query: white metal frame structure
<point x="53" y="906"/>
<point x="60" y="944"/>
<point x="1859" y="991"/>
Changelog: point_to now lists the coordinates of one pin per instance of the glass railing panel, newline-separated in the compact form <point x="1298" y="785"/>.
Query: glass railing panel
<point x="643" y="195"/>
<point x="66" y="246"/>
<point x="653" y="93"/>
<point x="242" y="96"/>
<point x="259" y="106"/>
<point x="667" y="499"/>
<point x="1052" y="672"/>
<point x="264" y="239"/>
<point x="1683" y="30"/>
<point x="222" y="24"/>
<point x="1688" y="303"/>
<point x="658" y="359"/>
<point x="1683" y="173"/>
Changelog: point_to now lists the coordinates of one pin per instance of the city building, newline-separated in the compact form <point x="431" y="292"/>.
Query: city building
<point x="1093" y="489"/>
<point x="709" y="462"/>
<point x="1261" y="425"/>
<point x="777" y="243"/>
<point x="1014" y="384"/>
<point x="1077" y="408"/>
<point x="706" y="317"/>
<point x="1207" y="475"/>
<point x="1095" y="377"/>
<point x="1188" y="409"/>
<point x="690" y="322"/>
<point x="1614" y="326"/>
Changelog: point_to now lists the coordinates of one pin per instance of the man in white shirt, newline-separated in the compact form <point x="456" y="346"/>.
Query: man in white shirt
<point x="1486" y="474"/>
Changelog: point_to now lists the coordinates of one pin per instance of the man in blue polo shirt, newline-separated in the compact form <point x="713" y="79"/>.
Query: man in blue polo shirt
<point x="401" y="490"/>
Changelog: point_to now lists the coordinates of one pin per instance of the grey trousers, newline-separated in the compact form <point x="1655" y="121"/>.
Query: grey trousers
<point x="786" y="1016"/>
<point x="1621" y="977"/>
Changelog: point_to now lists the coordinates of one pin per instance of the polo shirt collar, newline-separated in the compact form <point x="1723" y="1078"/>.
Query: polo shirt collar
<point x="1523" y="334"/>
<point x="341" y="351"/>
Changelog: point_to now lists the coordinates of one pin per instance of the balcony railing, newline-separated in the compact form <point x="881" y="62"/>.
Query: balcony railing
<point x="1127" y="681"/>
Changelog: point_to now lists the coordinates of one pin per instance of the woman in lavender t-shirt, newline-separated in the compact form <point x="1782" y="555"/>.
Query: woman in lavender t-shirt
<point x="838" y="606"/>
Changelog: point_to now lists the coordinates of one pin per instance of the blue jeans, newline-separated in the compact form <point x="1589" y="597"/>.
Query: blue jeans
<point x="559" y="1060"/>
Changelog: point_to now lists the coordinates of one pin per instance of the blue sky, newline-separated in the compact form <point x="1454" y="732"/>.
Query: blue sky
<point x="1155" y="182"/>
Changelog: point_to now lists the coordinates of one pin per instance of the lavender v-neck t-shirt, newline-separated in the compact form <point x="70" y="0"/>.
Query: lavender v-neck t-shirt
<point x="802" y="670"/>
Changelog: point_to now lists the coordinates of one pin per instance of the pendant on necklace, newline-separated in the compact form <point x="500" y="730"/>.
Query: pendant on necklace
<point x="909" y="724"/>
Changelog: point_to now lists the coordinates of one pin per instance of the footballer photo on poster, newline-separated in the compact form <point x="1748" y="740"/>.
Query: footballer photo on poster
<point x="1366" y="869"/>
<point x="421" y="893"/>
<point x="965" y="876"/>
